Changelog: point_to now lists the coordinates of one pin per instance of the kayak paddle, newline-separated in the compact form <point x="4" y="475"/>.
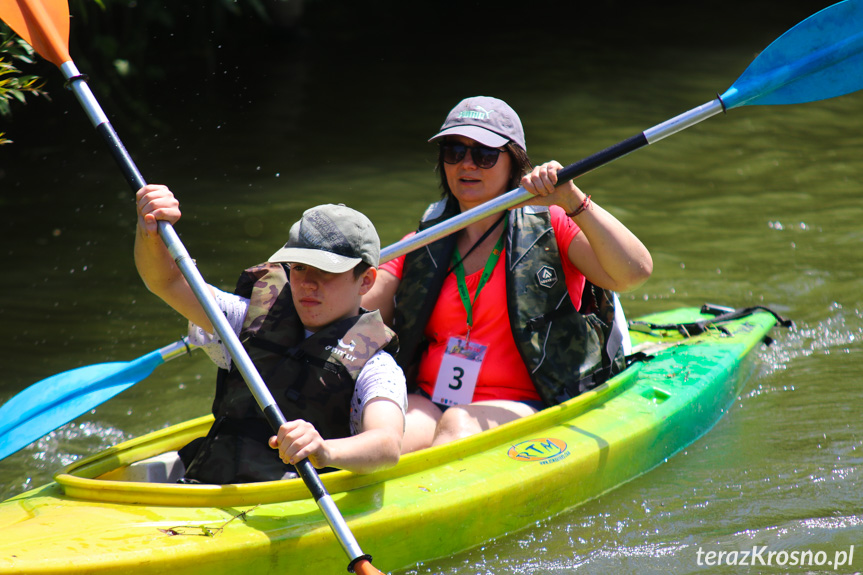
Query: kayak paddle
<point x="57" y="400"/>
<point x="819" y="58"/>
<point x="44" y="24"/>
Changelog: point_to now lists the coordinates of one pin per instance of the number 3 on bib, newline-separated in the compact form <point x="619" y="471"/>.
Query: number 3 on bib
<point x="458" y="372"/>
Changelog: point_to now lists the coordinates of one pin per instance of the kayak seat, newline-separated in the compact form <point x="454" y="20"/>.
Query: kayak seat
<point x="163" y="468"/>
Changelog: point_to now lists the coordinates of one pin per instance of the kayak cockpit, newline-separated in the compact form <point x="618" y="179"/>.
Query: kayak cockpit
<point x="144" y="470"/>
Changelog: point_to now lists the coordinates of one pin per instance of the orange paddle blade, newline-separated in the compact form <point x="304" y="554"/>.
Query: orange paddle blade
<point x="364" y="567"/>
<point x="44" y="24"/>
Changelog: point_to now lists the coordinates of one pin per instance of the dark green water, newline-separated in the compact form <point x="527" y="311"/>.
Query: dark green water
<point x="761" y="206"/>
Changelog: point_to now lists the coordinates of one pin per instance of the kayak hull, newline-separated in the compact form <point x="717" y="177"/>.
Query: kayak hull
<point x="434" y="503"/>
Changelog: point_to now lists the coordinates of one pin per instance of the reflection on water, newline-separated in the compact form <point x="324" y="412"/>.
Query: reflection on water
<point x="761" y="206"/>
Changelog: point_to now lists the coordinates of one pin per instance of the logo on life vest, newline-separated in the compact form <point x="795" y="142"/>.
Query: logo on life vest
<point x="545" y="450"/>
<point x="546" y="277"/>
<point x="346" y="351"/>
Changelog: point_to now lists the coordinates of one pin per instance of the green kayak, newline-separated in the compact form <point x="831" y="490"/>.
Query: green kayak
<point x="120" y="511"/>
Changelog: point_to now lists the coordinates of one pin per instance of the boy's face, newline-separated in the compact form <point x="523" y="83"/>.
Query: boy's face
<point x="322" y="298"/>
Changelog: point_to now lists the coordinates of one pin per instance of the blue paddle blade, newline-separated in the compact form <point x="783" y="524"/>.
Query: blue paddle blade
<point x="57" y="400"/>
<point x="819" y="58"/>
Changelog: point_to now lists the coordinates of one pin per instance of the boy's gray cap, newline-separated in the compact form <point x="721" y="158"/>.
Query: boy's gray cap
<point x="487" y="120"/>
<point x="333" y="238"/>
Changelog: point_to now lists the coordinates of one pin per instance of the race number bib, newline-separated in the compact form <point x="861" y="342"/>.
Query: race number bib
<point x="458" y="372"/>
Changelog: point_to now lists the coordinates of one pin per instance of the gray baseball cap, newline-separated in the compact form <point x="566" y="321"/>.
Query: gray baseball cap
<point x="333" y="238"/>
<point x="487" y="120"/>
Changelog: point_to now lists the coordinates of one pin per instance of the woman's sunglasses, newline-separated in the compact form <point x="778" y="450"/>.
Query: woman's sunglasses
<point x="482" y="156"/>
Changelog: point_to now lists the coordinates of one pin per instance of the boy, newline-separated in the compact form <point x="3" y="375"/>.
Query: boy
<point x="326" y="361"/>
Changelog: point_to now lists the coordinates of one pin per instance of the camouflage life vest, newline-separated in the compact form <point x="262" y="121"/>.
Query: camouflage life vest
<point x="564" y="350"/>
<point x="310" y="378"/>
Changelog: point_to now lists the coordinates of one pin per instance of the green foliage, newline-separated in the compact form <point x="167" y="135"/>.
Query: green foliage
<point x="13" y="84"/>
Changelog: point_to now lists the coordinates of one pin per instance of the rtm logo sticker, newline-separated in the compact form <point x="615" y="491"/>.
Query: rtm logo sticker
<point x="545" y="450"/>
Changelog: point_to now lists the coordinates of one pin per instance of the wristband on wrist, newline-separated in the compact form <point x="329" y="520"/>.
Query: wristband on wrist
<point x="584" y="205"/>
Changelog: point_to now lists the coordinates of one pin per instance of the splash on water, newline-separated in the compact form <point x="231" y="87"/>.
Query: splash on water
<point x="840" y="333"/>
<point x="40" y="460"/>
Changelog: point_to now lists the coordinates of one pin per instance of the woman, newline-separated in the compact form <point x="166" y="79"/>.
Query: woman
<point x="502" y="318"/>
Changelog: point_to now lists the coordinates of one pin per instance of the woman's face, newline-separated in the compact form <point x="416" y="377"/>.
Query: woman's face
<point x="472" y="185"/>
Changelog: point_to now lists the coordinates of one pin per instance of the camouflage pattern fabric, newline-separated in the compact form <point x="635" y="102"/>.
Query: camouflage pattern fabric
<point x="563" y="349"/>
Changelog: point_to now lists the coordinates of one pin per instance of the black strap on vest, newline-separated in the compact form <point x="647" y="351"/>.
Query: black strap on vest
<point x="294" y="353"/>
<point x="478" y="242"/>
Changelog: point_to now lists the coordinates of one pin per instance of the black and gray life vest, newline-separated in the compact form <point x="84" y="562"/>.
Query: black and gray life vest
<point x="310" y="378"/>
<point x="566" y="351"/>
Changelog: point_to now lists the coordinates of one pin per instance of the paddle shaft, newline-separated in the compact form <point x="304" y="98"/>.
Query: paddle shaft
<point x="169" y="236"/>
<point x="519" y="195"/>
<point x="202" y="292"/>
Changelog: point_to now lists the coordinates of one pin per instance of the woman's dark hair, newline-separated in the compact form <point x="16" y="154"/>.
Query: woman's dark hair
<point x="519" y="160"/>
